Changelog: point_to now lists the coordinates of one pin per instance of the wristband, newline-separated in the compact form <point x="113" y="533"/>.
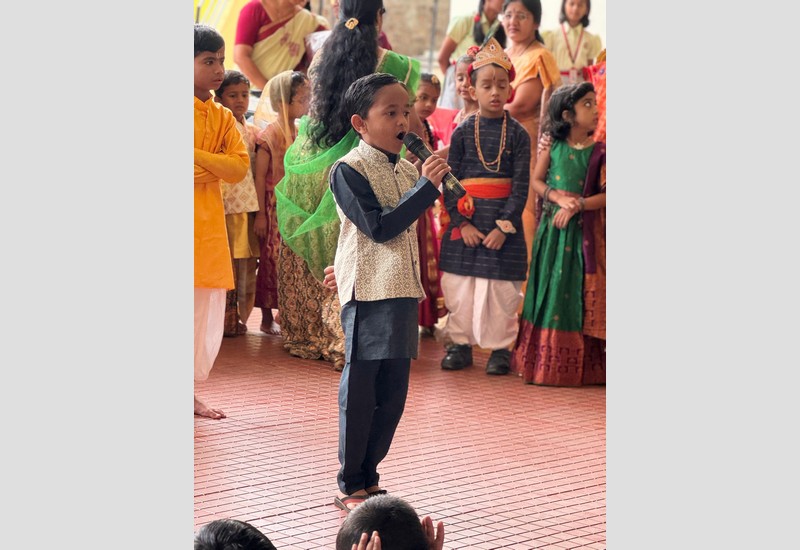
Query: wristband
<point x="506" y="227"/>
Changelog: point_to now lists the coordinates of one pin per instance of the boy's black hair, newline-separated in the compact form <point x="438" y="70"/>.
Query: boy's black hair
<point x="360" y="96"/>
<point x="428" y="77"/>
<point x="231" y="534"/>
<point x="393" y="518"/>
<point x="348" y="54"/>
<point x="231" y="77"/>
<point x="584" y="20"/>
<point x="477" y="30"/>
<point x="206" y="39"/>
<point x="564" y="99"/>
<point x="533" y="6"/>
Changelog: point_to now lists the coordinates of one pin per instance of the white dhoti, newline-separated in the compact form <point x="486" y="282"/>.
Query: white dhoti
<point x="209" y="323"/>
<point x="483" y="312"/>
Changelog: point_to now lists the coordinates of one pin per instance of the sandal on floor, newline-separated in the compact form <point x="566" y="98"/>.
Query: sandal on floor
<point x="344" y="501"/>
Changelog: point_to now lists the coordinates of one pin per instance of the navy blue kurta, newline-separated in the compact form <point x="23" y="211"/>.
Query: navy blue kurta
<point x="510" y="263"/>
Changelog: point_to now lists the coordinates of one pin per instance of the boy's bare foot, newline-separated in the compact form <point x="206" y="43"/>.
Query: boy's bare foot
<point x="200" y="409"/>
<point x="273" y="328"/>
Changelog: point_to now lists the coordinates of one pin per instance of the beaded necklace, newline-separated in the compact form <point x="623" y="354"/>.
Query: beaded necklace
<point x="478" y="143"/>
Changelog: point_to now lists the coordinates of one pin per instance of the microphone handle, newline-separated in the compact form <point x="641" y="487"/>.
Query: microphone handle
<point x="453" y="185"/>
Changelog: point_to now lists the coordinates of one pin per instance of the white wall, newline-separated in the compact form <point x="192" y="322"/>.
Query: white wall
<point x="550" y="9"/>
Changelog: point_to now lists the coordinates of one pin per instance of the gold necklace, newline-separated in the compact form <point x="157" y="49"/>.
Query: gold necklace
<point x="582" y="145"/>
<point x="478" y="143"/>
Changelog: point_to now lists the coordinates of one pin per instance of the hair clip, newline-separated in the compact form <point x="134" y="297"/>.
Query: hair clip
<point x="434" y="80"/>
<point x="351" y="23"/>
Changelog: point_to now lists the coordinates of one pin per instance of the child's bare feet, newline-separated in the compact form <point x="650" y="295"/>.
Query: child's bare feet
<point x="269" y="324"/>
<point x="200" y="409"/>
<point x="273" y="328"/>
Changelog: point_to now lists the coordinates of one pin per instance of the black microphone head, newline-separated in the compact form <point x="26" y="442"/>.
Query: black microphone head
<point x="415" y="144"/>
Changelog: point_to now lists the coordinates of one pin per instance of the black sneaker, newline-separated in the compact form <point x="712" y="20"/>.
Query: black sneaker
<point x="499" y="362"/>
<point x="459" y="356"/>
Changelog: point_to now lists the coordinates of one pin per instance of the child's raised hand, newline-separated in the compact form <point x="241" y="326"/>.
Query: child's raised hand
<point x="373" y="544"/>
<point x="260" y="225"/>
<point x="470" y="234"/>
<point x="434" y="537"/>
<point x="434" y="168"/>
<point x="495" y="239"/>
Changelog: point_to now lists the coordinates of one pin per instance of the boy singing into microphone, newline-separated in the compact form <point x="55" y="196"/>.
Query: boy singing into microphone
<point x="483" y="258"/>
<point x="379" y="197"/>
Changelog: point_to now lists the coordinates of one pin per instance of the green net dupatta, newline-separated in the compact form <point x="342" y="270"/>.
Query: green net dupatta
<point x="307" y="218"/>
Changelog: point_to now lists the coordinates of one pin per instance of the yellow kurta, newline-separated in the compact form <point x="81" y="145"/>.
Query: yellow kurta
<point x="219" y="155"/>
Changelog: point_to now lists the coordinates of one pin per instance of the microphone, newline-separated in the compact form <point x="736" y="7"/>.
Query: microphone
<point x="415" y="144"/>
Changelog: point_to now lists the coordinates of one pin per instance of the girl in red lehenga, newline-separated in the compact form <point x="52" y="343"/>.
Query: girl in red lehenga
<point x="431" y="309"/>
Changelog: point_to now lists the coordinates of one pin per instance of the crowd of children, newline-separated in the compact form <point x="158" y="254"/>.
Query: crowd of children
<point x="350" y="245"/>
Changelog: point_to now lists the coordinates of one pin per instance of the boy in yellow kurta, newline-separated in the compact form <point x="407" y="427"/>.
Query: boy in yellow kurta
<point x="219" y="155"/>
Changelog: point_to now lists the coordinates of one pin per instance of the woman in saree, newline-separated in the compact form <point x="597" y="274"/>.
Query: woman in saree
<point x="537" y="76"/>
<point x="307" y="219"/>
<point x="270" y="38"/>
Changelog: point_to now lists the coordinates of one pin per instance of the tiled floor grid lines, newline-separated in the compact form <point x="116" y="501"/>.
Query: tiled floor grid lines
<point x="503" y="464"/>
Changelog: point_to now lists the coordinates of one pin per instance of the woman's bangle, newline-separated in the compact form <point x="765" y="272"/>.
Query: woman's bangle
<point x="582" y="203"/>
<point x="547" y="193"/>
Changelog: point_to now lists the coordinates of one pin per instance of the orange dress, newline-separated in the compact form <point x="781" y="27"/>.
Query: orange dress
<point x="219" y="155"/>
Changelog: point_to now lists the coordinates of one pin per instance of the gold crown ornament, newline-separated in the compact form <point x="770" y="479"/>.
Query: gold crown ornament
<point x="492" y="53"/>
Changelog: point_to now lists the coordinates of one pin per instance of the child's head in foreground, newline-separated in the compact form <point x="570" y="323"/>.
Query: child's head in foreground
<point x="393" y="518"/>
<point x="231" y="534"/>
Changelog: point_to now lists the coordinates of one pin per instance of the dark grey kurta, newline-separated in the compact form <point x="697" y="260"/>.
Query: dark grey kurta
<point x="510" y="263"/>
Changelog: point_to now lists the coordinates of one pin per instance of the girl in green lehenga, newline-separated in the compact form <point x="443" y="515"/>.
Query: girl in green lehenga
<point x="562" y="334"/>
<point x="307" y="219"/>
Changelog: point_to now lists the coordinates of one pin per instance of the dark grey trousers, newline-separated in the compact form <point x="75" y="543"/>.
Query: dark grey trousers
<point x="372" y="396"/>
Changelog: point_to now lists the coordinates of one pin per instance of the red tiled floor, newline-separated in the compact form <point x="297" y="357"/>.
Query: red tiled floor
<point x="503" y="464"/>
